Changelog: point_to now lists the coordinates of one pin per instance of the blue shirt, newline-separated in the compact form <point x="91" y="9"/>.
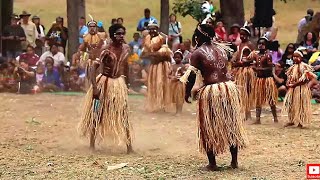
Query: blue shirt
<point x="84" y="30"/>
<point x="135" y="45"/>
<point x="145" y="20"/>
<point x="52" y="78"/>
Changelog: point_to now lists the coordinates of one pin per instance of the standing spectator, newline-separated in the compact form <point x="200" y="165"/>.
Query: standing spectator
<point x="57" y="56"/>
<point x="143" y="22"/>
<point x="234" y="37"/>
<point x="311" y="45"/>
<point x="120" y="20"/>
<point x="302" y="23"/>
<point x="220" y="31"/>
<point x="51" y="79"/>
<point x="13" y="34"/>
<point x="58" y="34"/>
<point x="27" y="77"/>
<point x="175" y="31"/>
<point x="30" y="30"/>
<point x="83" y="29"/>
<point x="275" y="52"/>
<point x="136" y="44"/>
<point x="41" y="35"/>
<point x="30" y="56"/>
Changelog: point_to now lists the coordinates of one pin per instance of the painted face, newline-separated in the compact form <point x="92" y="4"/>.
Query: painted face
<point x="119" y="35"/>
<point x="297" y="58"/>
<point x="153" y="31"/>
<point x="177" y="58"/>
<point x="210" y="22"/>
<point x="243" y="35"/>
<point x="92" y="29"/>
<point x="262" y="44"/>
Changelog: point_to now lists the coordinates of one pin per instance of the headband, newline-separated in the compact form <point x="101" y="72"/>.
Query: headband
<point x="246" y="30"/>
<point x="298" y="52"/>
<point x="178" y="51"/>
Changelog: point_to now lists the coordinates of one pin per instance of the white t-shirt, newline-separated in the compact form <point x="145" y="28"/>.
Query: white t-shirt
<point x="58" y="58"/>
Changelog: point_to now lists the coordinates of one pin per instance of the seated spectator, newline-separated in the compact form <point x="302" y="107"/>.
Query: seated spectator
<point x="53" y="52"/>
<point x="220" y="31"/>
<point x="8" y="79"/>
<point x="137" y="79"/>
<point x="51" y="80"/>
<point x="315" y="90"/>
<point x="280" y="78"/>
<point x="76" y="80"/>
<point x="30" y="56"/>
<point x="310" y="43"/>
<point x="234" y="37"/>
<point x="275" y="52"/>
<point x="136" y="44"/>
<point x="27" y="77"/>
<point x="287" y="57"/>
<point x="39" y="74"/>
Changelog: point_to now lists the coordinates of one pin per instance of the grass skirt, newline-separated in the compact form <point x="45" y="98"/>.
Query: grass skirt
<point x="110" y="117"/>
<point x="177" y="92"/>
<point x="265" y="92"/>
<point x="245" y="79"/>
<point x="220" y="120"/>
<point x="298" y="105"/>
<point x="158" y="96"/>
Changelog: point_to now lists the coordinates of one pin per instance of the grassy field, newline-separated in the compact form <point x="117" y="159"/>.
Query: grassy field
<point x="287" y="17"/>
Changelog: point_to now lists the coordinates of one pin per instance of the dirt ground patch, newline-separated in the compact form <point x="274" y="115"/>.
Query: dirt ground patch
<point x="39" y="140"/>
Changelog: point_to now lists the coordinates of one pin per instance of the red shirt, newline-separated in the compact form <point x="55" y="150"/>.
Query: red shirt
<point x="31" y="58"/>
<point x="221" y="34"/>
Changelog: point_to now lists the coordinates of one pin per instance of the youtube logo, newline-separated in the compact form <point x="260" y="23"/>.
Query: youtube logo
<point x="313" y="171"/>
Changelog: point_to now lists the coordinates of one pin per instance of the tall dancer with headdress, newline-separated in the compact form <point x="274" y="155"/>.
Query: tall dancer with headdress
<point x="106" y="103"/>
<point x="243" y="71"/>
<point x="91" y="46"/>
<point x="265" y="89"/>
<point x="219" y="117"/>
<point x="158" y="96"/>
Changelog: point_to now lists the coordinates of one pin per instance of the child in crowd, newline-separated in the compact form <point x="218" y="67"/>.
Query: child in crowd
<point x="76" y="80"/>
<point x="137" y="79"/>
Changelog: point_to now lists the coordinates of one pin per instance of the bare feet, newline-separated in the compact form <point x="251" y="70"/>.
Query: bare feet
<point x="211" y="168"/>
<point x="300" y="126"/>
<point x="289" y="124"/>
<point x="275" y="120"/>
<point x="129" y="149"/>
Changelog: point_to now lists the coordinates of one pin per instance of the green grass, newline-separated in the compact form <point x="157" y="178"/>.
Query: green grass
<point x="287" y="17"/>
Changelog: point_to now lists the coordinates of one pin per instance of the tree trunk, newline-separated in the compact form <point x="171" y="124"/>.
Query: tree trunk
<point x="164" y="20"/>
<point x="6" y="10"/>
<point x="232" y="12"/>
<point x="82" y="8"/>
<point x="73" y="26"/>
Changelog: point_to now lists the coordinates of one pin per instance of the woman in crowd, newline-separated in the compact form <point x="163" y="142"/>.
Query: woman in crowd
<point x="234" y="37"/>
<point x="311" y="44"/>
<point x="29" y="56"/>
<point x="220" y="31"/>
<point x="175" y="31"/>
<point x="57" y="56"/>
<point x="287" y="57"/>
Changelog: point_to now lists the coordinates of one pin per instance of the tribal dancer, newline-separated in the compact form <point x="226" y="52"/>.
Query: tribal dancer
<point x="265" y="89"/>
<point x="244" y="74"/>
<point x="92" y="46"/>
<point x="106" y="106"/>
<point x="177" y="87"/>
<point x="158" y="96"/>
<point x="297" y="102"/>
<point x="220" y="120"/>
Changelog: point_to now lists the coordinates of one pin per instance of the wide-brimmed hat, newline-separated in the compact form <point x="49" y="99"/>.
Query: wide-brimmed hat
<point x="15" y="16"/>
<point x="35" y="17"/>
<point x="25" y="13"/>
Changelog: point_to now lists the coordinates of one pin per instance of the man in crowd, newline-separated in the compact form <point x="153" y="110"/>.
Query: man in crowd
<point x="58" y="34"/>
<point x="13" y="35"/>
<point x="41" y="35"/>
<point x="83" y="29"/>
<point x="30" y="30"/>
<point x="143" y="23"/>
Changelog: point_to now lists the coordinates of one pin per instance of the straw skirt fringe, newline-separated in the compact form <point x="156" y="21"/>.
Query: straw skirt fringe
<point x="177" y="92"/>
<point x="298" y="105"/>
<point x="265" y="92"/>
<point x="158" y="95"/>
<point x="245" y="79"/>
<point x="110" y="118"/>
<point x="220" y="119"/>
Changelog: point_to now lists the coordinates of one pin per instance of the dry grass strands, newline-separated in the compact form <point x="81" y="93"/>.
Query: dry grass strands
<point x="265" y="92"/>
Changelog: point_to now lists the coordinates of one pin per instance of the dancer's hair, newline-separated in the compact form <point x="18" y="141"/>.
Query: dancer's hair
<point x="204" y="33"/>
<point x="114" y="28"/>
